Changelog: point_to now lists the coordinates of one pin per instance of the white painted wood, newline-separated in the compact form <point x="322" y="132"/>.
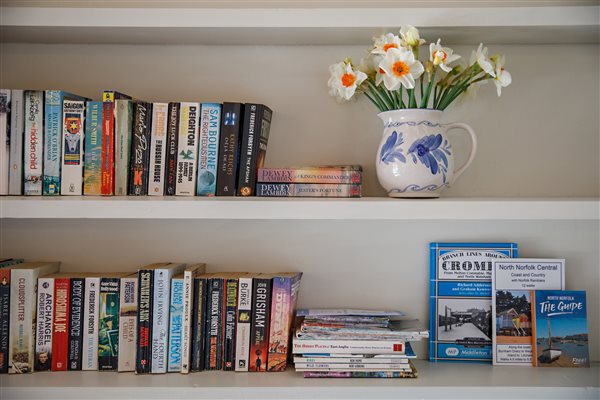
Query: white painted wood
<point x="367" y="208"/>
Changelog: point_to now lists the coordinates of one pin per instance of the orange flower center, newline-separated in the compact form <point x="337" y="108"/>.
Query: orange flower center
<point x="348" y="79"/>
<point x="388" y="46"/>
<point x="400" y="68"/>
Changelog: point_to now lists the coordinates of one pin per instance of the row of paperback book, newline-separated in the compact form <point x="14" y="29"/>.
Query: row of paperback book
<point x="340" y="343"/>
<point x="489" y="305"/>
<point x="58" y="143"/>
<point x="166" y="317"/>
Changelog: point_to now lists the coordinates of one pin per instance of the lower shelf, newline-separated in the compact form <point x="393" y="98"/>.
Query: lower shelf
<point x="436" y="380"/>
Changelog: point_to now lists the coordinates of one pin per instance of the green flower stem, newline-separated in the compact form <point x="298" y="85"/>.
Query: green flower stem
<point x="374" y="101"/>
<point x="376" y="93"/>
<point x="425" y="97"/>
<point x="453" y="93"/>
<point x="399" y="98"/>
<point x="411" y="98"/>
<point x="389" y="96"/>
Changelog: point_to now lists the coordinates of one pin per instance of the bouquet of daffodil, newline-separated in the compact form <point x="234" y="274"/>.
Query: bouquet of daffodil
<point x="393" y="78"/>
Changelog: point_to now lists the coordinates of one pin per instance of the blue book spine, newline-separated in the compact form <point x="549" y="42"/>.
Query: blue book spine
<point x="210" y="127"/>
<point x="92" y="169"/>
<point x="175" y="325"/>
<point x="461" y="299"/>
<point x="53" y="131"/>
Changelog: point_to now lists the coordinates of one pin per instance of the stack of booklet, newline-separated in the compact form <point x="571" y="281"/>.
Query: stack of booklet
<point x="355" y="344"/>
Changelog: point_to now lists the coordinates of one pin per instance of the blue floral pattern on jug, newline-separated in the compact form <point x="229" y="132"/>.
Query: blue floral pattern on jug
<point x="416" y="188"/>
<point x="391" y="150"/>
<point x="431" y="151"/>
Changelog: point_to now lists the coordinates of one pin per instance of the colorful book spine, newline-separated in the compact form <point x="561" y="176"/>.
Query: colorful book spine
<point x="257" y="125"/>
<point x="244" y="322"/>
<point x="302" y="346"/>
<point x="210" y="125"/>
<point x="156" y="180"/>
<point x="171" y="153"/>
<point x="307" y="190"/>
<point x="362" y="374"/>
<point x="283" y="302"/>
<point x="34" y="142"/>
<point x="140" y="149"/>
<point x="128" y="324"/>
<point x="351" y="174"/>
<point x="259" y="333"/>
<point x="175" y="325"/>
<point x="4" y="139"/>
<point x="72" y="149"/>
<point x="92" y="170"/>
<point x="229" y="148"/>
<point x="189" y="277"/>
<point x="44" y="330"/>
<point x="53" y="137"/>
<point x="123" y="124"/>
<point x="144" y="322"/>
<point x="90" y="321"/>
<point x="338" y="366"/>
<point x="199" y="324"/>
<point x="231" y="289"/>
<point x="215" y="325"/>
<point x="108" y="143"/>
<point x="108" y="324"/>
<point x="17" y="130"/>
<point x="187" y="156"/>
<point x="4" y="318"/>
<point x="60" y="324"/>
<point x="75" y="345"/>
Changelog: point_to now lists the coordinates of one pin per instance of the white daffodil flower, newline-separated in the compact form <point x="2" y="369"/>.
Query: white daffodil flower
<point x="410" y="36"/>
<point x="344" y="80"/>
<point x="480" y="57"/>
<point x="502" y="78"/>
<point x="385" y="42"/>
<point x="400" y="68"/>
<point x="441" y="56"/>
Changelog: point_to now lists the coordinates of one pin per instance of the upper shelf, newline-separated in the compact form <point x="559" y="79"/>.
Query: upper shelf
<point x="310" y="24"/>
<point x="367" y="208"/>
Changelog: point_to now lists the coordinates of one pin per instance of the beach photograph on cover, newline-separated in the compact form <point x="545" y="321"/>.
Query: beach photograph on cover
<point x="513" y="316"/>
<point x="464" y="320"/>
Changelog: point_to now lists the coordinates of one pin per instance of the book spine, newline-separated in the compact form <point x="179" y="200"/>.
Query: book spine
<point x="144" y="322"/>
<point x="140" y="149"/>
<point x="123" y="121"/>
<point x="339" y="366"/>
<point x="186" y="328"/>
<point x="231" y="289"/>
<point x="254" y="147"/>
<point x="128" y="324"/>
<point x="108" y="144"/>
<point x="259" y="333"/>
<point x="310" y="175"/>
<point x="53" y="132"/>
<point x="302" y="346"/>
<point x="4" y="318"/>
<point x="199" y="325"/>
<point x="17" y="121"/>
<point x="306" y="190"/>
<point x="60" y="324"/>
<point x="229" y="148"/>
<point x="156" y="182"/>
<point x="44" y="323"/>
<point x="283" y="298"/>
<point x="160" y="323"/>
<point x="34" y="136"/>
<point x="187" y="157"/>
<point x="92" y="169"/>
<point x="175" y="325"/>
<point x="90" y="318"/>
<point x="208" y="153"/>
<point x="72" y="148"/>
<point x="108" y="329"/>
<point x="244" y="320"/>
<point x="171" y="154"/>
<point x="350" y="360"/>
<point x="75" y="324"/>
<point x="21" y="346"/>
<point x="5" y="103"/>
<point x="215" y="325"/>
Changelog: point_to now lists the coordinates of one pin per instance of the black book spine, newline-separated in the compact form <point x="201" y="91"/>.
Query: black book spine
<point x="259" y="331"/>
<point x="231" y="295"/>
<point x="144" y="322"/>
<point x="4" y="318"/>
<point x="229" y="148"/>
<point x="248" y="149"/>
<point x="199" y="325"/>
<point x="171" y="159"/>
<point x="108" y="324"/>
<point x="140" y="149"/>
<point x="76" y="324"/>
<point x="214" y="326"/>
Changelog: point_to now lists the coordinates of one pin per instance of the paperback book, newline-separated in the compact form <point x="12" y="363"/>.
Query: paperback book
<point x="229" y="148"/>
<point x="156" y="180"/>
<point x="307" y="190"/>
<point x="109" y="98"/>
<point x="4" y="139"/>
<point x="123" y="125"/>
<point x="187" y="157"/>
<point x="72" y="149"/>
<point x="92" y="171"/>
<point x="17" y="130"/>
<point x="34" y="142"/>
<point x="210" y="124"/>
<point x="257" y="125"/>
<point x="333" y="174"/>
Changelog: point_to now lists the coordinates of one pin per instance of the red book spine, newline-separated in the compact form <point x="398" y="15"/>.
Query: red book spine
<point x="60" y="334"/>
<point x="108" y="149"/>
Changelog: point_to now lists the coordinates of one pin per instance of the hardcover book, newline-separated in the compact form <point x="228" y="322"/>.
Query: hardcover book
<point x="341" y="174"/>
<point x="257" y="125"/>
<point x="189" y="275"/>
<point x="34" y="142"/>
<point x="187" y="147"/>
<point x="108" y="143"/>
<point x="210" y="124"/>
<point x="259" y="332"/>
<point x="4" y="139"/>
<point x="44" y="324"/>
<point x="76" y="307"/>
<point x="229" y="148"/>
<point x="123" y="125"/>
<point x="90" y="321"/>
<point x="72" y="149"/>
<point x="171" y="153"/>
<point x="128" y="323"/>
<point x="17" y="130"/>
<point x="92" y="169"/>
<point x="307" y="190"/>
<point x="513" y="280"/>
<point x="140" y="149"/>
<point x="108" y="324"/>
<point x="560" y="332"/>
<point x="156" y="179"/>
<point x="461" y="299"/>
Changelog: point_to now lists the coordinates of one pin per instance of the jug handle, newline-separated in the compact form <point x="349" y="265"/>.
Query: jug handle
<point x="460" y="125"/>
